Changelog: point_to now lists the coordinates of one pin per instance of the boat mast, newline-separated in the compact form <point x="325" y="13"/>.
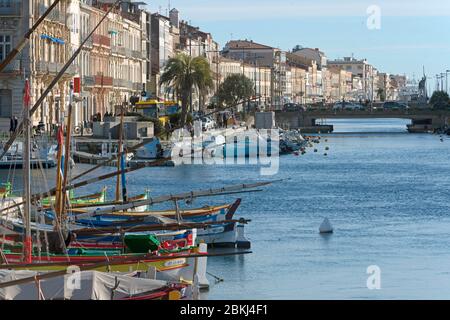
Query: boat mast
<point x="60" y="138"/>
<point x="26" y="173"/>
<point x="120" y="161"/>
<point x="63" y="195"/>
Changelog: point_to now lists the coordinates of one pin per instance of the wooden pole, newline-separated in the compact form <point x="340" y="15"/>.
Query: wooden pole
<point x="66" y="163"/>
<point x="28" y="246"/>
<point x="119" y="152"/>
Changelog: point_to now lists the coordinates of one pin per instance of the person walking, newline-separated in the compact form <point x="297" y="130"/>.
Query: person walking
<point x="11" y="126"/>
<point x="167" y="128"/>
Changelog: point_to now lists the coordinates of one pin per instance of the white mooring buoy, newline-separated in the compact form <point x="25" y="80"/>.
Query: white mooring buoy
<point x="326" y="226"/>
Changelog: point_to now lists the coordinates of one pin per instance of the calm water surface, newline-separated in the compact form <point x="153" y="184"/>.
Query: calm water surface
<point x="386" y="194"/>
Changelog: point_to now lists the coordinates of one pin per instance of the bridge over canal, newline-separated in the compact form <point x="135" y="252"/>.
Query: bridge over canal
<point x="422" y="119"/>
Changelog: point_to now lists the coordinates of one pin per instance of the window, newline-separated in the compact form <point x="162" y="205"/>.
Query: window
<point x="5" y="103"/>
<point x="5" y="3"/>
<point x="5" y="45"/>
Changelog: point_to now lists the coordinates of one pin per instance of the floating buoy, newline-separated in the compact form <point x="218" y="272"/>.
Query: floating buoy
<point x="315" y="150"/>
<point x="326" y="140"/>
<point x="327" y="148"/>
<point x="325" y="154"/>
<point x="326" y="226"/>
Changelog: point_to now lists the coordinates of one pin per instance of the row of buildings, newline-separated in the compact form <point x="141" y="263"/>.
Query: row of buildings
<point x="127" y="54"/>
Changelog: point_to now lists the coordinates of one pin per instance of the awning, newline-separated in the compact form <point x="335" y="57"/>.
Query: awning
<point x="56" y="40"/>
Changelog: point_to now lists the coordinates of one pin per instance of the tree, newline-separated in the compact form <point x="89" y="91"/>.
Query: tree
<point x="381" y="95"/>
<point x="439" y="97"/>
<point x="185" y="74"/>
<point x="234" y="89"/>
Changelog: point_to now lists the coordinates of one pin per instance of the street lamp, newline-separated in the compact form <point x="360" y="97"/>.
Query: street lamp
<point x="446" y="80"/>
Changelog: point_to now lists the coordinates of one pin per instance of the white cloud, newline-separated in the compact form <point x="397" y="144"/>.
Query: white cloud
<point x="232" y="10"/>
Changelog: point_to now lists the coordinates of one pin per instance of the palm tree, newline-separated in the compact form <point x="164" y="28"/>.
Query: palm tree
<point x="184" y="74"/>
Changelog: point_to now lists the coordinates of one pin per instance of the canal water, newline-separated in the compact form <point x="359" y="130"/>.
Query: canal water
<point x="386" y="192"/>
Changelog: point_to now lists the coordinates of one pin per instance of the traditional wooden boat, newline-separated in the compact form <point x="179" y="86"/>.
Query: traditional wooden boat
<point x="94" y="285"/>
<point x="98" y="197"/>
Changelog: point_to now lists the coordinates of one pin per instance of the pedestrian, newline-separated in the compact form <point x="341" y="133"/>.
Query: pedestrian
<point x="167" y="128"/>
<point x="16" y="123"/>
<point x="99" y="117"/>
<point x="11" y="126"/>
<point x="224" y="119"/>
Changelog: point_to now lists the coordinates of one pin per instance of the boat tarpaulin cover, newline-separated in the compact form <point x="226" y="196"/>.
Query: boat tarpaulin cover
<point x="91" y="285"/>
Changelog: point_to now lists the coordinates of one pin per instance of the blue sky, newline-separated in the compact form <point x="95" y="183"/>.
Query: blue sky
<point x="413" y="33"/>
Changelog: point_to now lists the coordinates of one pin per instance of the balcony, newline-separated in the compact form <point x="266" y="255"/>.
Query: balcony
<point x="122" y="83"/>
<point x="103" y="81"/>
<point x="100" y="40"/>
<point x="136" y="54"/>
<point x="55" y="67"/>
<point x="127" y="52"/>
<point x="15" y="9"/>
<point x="55" y="15"/>
<point x="137" y="86"/>
<point x="118" y="50"/>
<point x="89" y="42"/>
<point x="12" y="67"/>
<point x="88" y="81"/>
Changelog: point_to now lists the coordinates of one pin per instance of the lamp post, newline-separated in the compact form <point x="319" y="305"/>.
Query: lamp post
<point x="446" y="80"/>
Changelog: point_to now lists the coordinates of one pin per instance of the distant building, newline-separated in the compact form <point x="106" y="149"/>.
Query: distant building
<point x="264" y="56"/>
<point x="112" y="65"/>
<point x="362" y="70"/>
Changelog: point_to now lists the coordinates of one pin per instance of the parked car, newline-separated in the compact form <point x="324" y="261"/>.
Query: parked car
<point x="441" y="105"/>
<point x="293" y="107"/>
<point x="394" y="105"/>
<point x="347" y="106"/>
<point x="208" y="124"/>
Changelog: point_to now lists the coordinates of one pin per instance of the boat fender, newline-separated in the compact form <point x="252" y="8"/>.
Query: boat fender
<point x="241" y="240"/>
<point x="201" y="267"/>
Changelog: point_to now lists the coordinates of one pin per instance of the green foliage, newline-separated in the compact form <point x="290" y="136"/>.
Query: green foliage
<point x="381" y="95"/>
<point x="185" y="74"/>
<point x="234" y="89"/>
<point x="157" y="126"/>
<point x="439" y="97"/>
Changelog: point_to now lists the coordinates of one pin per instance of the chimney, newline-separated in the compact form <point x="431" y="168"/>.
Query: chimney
<point x="173" y="16"/>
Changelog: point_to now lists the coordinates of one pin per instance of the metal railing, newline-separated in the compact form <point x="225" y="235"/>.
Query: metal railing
<point x="88" y="81"/>
<point x="136" y="54"/>
<point x="54" y="15"/>
<point x="13" y="66"/>
<point x="54" y="67"/>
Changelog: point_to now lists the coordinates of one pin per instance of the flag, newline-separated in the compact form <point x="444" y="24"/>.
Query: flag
<point x="26" y="94"/>
<point x="60" y="136"/>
